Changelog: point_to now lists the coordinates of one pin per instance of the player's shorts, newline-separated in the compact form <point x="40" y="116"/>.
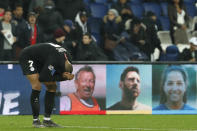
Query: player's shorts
<point x="28" y="65"/>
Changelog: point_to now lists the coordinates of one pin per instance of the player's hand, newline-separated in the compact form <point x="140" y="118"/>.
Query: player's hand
<point x="67" y="75"/>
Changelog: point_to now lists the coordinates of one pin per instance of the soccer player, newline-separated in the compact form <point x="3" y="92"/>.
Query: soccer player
<point x="46" y="63"/>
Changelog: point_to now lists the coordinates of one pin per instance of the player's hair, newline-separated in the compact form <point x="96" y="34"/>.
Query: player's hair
<point x="86" y="69"/>
<point x="170" y="68"/>
<point x="128" y="69"/>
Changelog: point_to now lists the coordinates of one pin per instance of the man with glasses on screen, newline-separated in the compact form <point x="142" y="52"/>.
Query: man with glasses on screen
<point x="130" y="86"/>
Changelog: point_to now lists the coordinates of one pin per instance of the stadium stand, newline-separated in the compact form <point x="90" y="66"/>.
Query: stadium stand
<point x="95" y="24"/>
<point x="165" y="23"/>
<point x="154" y="7"/>
<point x="101" y="1"/>
<point x="138" y="10"/>
<point x="164" y="7"/>
<point x="172" y="53"/>
<point x="190" y="1"/>
<point x="136" y="1"/>
<point x="86" y="1"/>
<point x="191" y="9"/>
<point x="98" y="10"/>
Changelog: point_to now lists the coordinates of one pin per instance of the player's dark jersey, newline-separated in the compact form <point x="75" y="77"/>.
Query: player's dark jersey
<point x="47" y="59"/>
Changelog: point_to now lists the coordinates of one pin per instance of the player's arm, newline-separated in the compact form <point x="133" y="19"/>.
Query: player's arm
<point x="54" y="70"/>
<point x="67" y="75"/>
<point x="64" y="68"/>
<point x="47" y="75"/>
<point x="63" y="76"/>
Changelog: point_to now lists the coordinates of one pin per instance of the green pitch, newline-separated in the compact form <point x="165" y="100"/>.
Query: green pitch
<point x="105" y="123"/>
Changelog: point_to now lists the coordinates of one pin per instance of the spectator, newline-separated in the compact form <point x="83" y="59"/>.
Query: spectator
<point x="81" y="20"/>
<point x="173" y="89"/>
<point x="152" y="28"/>
<point x="110" y="31"/>
<point x="18" y="14"/>
<point x="60" y="38"/>
<point x="123" y="8"/>
<point x="32" y="33"/>
<point x="70" y="8"/>
<point x="37" y="6"/>
<point x="82" y="99"/>
<point x="25" y="4"/>
<point x="3" y="7"/>
<point x="21" y="26"/>
<point x="71" y="31"/>
<point x="72" y="35"/>
<point x="88" y="50"/>
<point x="130" y="85"/>
<point x="2" y="11"/>
<point x="191" y="53"/>
<point x="35" y="32"/>
<point x="49" y="20"/>
<point x="138" y="37"/>
<point x="178" y="20"/>
<point x="7" y="47"/>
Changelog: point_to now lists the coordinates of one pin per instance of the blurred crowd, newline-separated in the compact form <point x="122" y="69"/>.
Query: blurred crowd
<point x="116" y="35"/>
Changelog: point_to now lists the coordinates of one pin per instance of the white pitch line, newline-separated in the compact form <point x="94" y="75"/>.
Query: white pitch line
<point x="114" y="128"/>
<point x="118" y="128"/>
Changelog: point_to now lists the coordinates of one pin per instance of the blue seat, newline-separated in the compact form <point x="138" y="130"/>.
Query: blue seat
<point x="86" y="1"/>
<point x="101" y="1"/>
<point x="154" y="7"/>
<point x="97" y="37"/>
<point x="164" y="7"/>
<point x="95" y="24"/>
<point x="172" y="54"/>
<point x="136" y="1"/>
<point x="98" y="10"/>
<point x="138" y="10"/>
<point x="165" y="22"/>
<point x="190" y="1"/>
<point x="191" y="9"/>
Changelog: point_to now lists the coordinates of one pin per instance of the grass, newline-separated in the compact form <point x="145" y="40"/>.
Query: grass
<point x="105" y="123"/>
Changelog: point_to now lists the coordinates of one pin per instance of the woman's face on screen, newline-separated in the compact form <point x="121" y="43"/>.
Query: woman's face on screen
<point x="174" y="86"/>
